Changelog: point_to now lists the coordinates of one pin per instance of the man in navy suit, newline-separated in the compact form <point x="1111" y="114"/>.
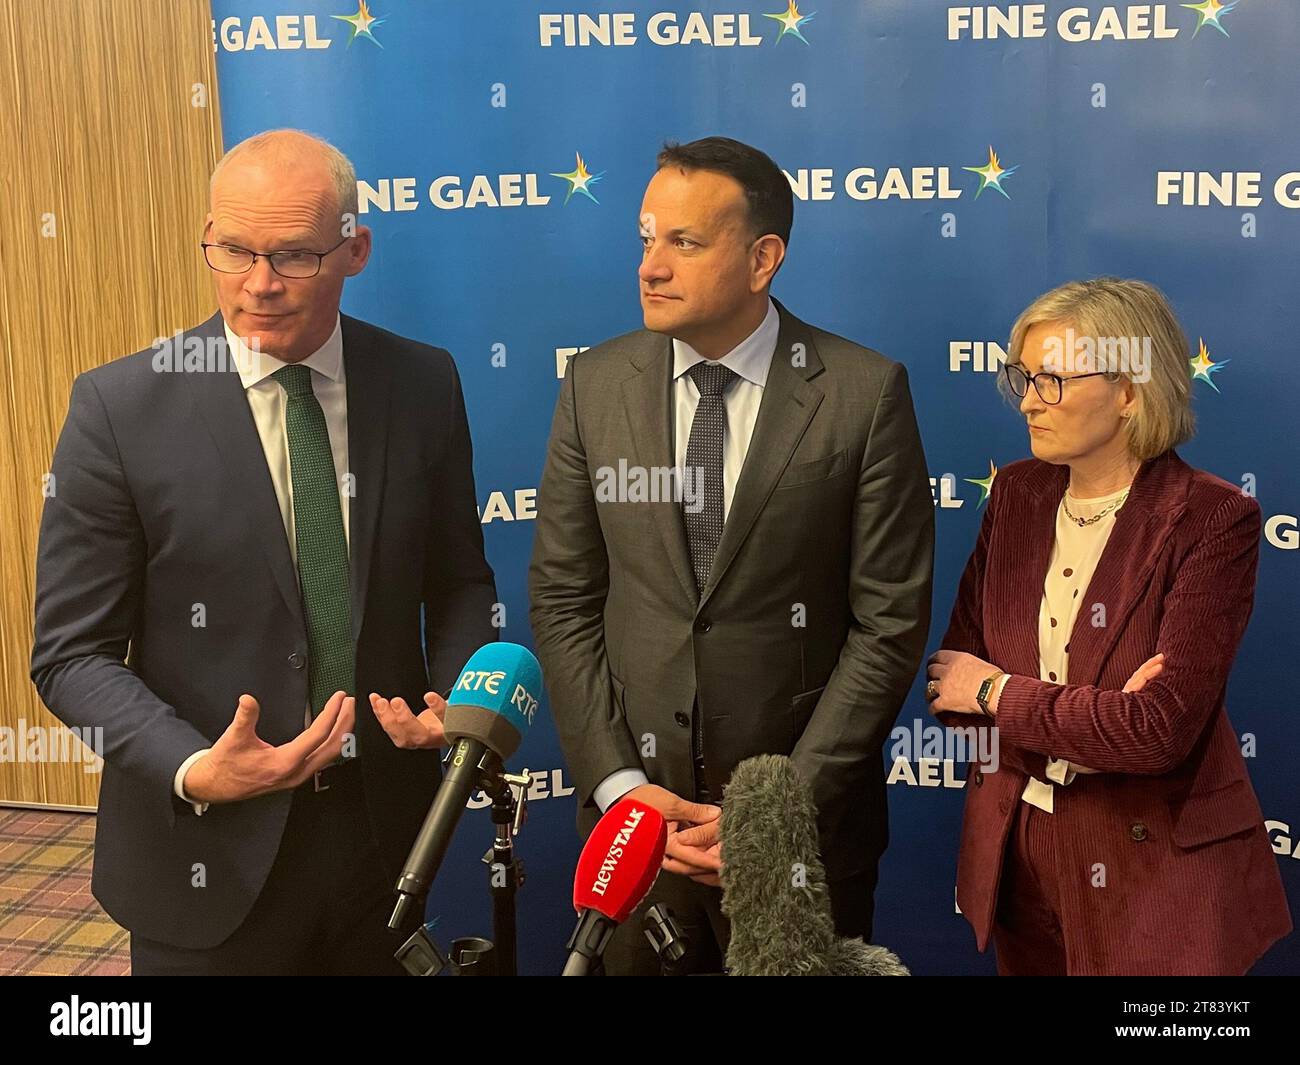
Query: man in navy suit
<point x="250" y="523"/>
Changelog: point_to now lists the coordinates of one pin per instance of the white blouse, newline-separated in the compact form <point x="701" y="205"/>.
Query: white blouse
<point x="1075" y="554"/>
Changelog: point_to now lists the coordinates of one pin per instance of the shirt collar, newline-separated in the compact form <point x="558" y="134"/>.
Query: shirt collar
<point x="751" y="358"/>
<point x="255" y="367"/>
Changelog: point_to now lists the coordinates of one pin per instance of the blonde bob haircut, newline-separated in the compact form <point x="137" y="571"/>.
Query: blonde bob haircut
<point x="1108" y="312"/>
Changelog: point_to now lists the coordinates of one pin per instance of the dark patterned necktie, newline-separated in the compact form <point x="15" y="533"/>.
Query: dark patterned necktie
<point x="322" y="545"/>
<point x="704" y="460"/>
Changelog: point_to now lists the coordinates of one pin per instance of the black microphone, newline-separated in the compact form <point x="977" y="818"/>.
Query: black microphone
<point x="490" y="708"/>
<point x="774" y="883"/>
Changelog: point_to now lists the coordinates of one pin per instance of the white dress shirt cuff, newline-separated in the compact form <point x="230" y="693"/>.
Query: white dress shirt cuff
<point x="616" y="785"/>
<point x="1037" y="793"/>
<point x="1059" y="771"/>
<point x="179" y="782"/>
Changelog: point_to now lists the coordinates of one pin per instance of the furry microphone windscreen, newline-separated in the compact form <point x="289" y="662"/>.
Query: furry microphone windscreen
<point x="774" y="884"/>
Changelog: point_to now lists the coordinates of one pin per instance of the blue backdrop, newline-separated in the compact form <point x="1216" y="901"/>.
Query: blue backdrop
<point x="1155" y="141"/>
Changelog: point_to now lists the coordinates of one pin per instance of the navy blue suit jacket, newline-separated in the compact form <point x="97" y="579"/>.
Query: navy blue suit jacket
<point x="163" y="501"/>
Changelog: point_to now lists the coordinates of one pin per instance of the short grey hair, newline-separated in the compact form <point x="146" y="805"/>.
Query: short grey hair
<point x="284" y="144"/>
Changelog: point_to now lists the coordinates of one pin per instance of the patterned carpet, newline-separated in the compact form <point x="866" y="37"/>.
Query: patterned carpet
<point x="49" y="923"/>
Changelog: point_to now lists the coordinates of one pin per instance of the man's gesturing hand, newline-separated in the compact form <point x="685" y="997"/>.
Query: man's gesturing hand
<point x="411" y="731"/>
<point x="241" y="765"/>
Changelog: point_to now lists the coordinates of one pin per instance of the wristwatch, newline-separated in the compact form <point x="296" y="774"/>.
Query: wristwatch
<point x="986" y="689"/>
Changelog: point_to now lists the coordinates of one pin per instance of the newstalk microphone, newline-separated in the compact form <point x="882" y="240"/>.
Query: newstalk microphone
<point x="490" y="708"/>
<point x="617" y="868"/>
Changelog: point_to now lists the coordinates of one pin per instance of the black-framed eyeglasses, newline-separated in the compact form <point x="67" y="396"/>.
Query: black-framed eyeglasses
<point x="1049" y="386"/>
<point x="292" y="262"/>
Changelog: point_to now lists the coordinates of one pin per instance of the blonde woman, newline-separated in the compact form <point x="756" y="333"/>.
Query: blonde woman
<point x="1094" y="628"/>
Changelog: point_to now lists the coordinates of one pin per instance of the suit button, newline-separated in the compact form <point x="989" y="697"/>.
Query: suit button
<point x="1138" y="831"/>
<point x="682" y="719"/>
<point x="979" y="778"/>
<point x="297" y="661"/>
<point x="703" y="626"/>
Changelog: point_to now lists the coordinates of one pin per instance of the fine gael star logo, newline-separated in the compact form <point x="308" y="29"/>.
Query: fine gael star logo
<point x="1208" y="13"/>
<point x="985" y="483"/>
<point x="1204" y="368"/>
<point x="580" y="180"/>
<point x="992" y="174"/>
<point x="791" y="20"/>
<point x="361" y="23"/>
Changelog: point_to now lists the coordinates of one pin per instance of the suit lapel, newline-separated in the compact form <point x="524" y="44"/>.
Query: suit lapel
<point x="1154" y="505"/>
<point x="1028" y="550"/>
<point x="368" y="381"/>
<point x="648" y="402"/>
<point x="788" y="405"/>
<point x="224" y="409"/>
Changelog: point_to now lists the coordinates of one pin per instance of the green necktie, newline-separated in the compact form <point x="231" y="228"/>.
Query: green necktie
<point x="322" y="545"/>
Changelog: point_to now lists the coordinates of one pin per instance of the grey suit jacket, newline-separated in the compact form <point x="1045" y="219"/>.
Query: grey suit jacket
<point x="164" y="501"/>
<point x="814" y="620"/>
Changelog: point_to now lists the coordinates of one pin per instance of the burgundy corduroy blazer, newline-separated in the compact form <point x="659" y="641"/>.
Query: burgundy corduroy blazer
<point x="1166" y="866"/>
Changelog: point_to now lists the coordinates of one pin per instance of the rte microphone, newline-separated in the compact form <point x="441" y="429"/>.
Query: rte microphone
<point x="782" y="925"/>
<point x="617" y="868"/>
<point x="490" y="708"/>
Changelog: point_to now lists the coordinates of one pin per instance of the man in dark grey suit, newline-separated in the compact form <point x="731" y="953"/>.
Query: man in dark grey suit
<point x="733" y="550"/>
<point x="249" y="524"/>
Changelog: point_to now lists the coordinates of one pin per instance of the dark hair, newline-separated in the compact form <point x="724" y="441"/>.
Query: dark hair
<point x="767" y="191"/>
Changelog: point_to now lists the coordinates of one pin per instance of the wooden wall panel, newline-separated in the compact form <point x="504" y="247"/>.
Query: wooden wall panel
<point x="109" y="129"/>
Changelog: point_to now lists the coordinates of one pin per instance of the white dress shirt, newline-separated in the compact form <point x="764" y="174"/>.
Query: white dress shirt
<point x="750" y="360"/>
<point x="267" y="402"/>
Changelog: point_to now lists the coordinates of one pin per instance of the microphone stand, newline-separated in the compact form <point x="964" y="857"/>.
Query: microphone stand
<point x="666" y="936"/>
<point x="509" y="793"/>
<point x="472" y="955"/>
